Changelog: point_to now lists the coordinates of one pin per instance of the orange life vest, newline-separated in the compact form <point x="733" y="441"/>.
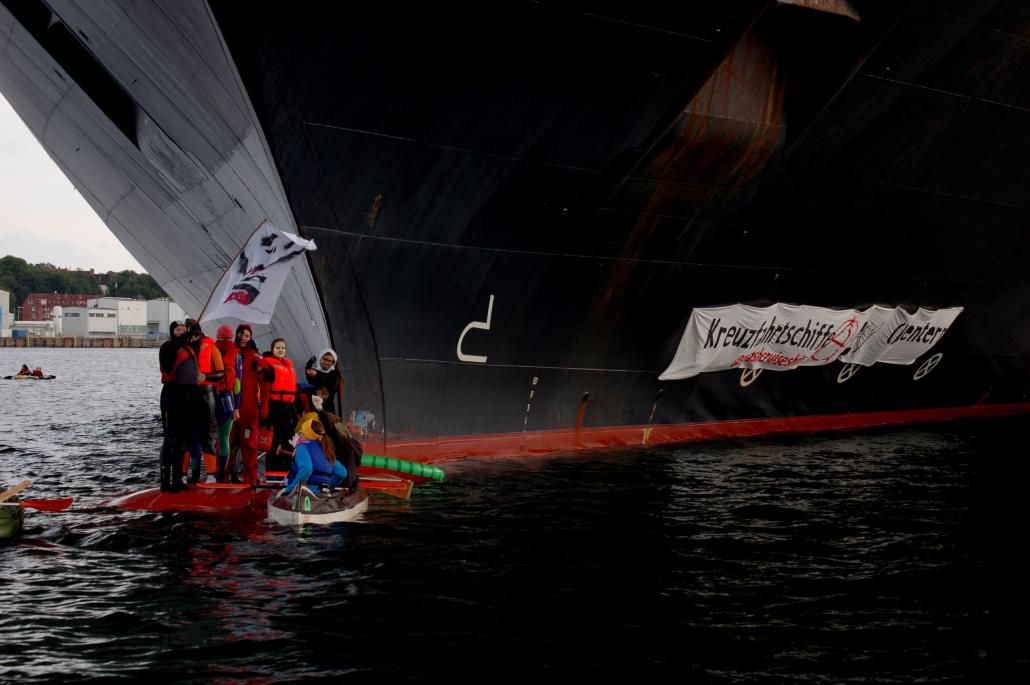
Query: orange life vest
<point x="204" y="358"/>
<point x="283" y="387"/>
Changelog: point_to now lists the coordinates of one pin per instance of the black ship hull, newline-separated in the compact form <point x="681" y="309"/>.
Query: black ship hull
<point x="557" y="171"/>
<point x="518" y="206"/>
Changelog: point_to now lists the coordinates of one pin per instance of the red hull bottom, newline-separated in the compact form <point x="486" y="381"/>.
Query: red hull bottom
<point x="217" y="497"/>
<point x="431" y="450"/>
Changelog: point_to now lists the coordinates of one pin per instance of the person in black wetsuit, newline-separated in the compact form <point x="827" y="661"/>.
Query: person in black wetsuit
<point x="180" y="399"/>
<point x="209" y="362"/>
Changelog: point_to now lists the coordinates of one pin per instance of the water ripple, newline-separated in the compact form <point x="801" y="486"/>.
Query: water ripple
<point x="885" y="556"/>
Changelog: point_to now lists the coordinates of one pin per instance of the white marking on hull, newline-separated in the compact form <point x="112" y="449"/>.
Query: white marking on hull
<point x="481" y="325"/>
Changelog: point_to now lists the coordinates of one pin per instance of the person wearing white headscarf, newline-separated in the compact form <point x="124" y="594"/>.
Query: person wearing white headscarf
<point x="323" y="371"/>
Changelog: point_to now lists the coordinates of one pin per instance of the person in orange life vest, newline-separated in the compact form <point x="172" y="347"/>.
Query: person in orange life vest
<point x="278" y="412"/>
<point x="227" y="395"/>
<point x="179" y="396"/>
<point x="209" y="361"/>
<point x="248" y="372"/>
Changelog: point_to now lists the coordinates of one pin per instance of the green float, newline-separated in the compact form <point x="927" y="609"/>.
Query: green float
<point x="413" y="468"/>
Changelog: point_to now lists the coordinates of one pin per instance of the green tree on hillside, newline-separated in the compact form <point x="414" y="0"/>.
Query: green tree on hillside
<point x="132" y="284"/>
<point x="20" y="278"/>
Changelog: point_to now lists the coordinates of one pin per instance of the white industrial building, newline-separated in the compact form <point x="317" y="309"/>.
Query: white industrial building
<point x="160" y="314"/>
<point x="101" y="317"/>
<point x="131" y="315"/>
<point x="89" y="322"/>
<point x="6" y="315"/>
<point x="42" y="329"/>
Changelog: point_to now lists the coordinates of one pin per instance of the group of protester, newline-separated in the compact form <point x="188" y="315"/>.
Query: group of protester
<point x="218" y="395"/>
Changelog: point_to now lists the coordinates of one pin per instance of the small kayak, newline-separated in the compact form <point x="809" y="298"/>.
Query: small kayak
<point x="307" y="506"/>
<point x="11" y="518"/>
<point x="24" y="377"/>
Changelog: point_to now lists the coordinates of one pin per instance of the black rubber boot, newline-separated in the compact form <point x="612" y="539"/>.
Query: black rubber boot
<point x="166" y="474"/>
<point x="177" y="484"/>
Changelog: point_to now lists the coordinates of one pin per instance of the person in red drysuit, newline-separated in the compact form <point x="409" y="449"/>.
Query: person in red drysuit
<point x="245" y="427"/>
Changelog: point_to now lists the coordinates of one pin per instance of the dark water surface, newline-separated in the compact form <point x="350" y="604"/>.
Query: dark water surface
<point x="882" y="556"/>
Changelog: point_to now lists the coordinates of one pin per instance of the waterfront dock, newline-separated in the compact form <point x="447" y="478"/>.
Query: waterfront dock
<point x="81" y="341"/>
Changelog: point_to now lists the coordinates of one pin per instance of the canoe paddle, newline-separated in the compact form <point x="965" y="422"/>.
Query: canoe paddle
<point x="400" y="488"/>
<point x="58" y="504"/>
<point x="12" y="491"/>
<point x="362" y="483"/>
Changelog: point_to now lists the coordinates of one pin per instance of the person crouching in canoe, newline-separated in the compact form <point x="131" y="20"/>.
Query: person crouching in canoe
<point x="314" y="458"/>
<point x="348" y="450"/>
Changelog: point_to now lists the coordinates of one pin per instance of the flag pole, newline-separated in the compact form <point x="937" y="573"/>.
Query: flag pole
<point x="231" y="262"/>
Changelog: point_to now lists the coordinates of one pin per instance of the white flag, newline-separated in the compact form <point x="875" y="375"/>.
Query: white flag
<point x="250" y="287"/>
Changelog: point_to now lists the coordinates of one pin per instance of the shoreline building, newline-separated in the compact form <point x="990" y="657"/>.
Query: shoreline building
<point x="131" y="315"/>
<point x="36" y="329"/>
<point x="6" y="317"/>
<point x="40" y="306"/>
<point x="89" y="322"/>
<point x="118" y="316"/>
<point x="160" y="314"/>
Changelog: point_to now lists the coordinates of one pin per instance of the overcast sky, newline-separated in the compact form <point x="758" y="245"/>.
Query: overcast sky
<point x="42" y="217"/>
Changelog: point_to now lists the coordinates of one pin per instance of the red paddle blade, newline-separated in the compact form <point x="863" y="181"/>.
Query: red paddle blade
<point x="59" y="504"/>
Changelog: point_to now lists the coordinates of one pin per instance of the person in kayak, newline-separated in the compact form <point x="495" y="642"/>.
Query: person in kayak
<point x="278" y="397"/>
<point x="37" y="372"/>
<point x="323" y="371"/>
<point x="314" y="458"/>
<point x="227" y="395"/>
<point x="248" y="372"/>
<point x="25" y="370"/>
<point x="180" y="395"/>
